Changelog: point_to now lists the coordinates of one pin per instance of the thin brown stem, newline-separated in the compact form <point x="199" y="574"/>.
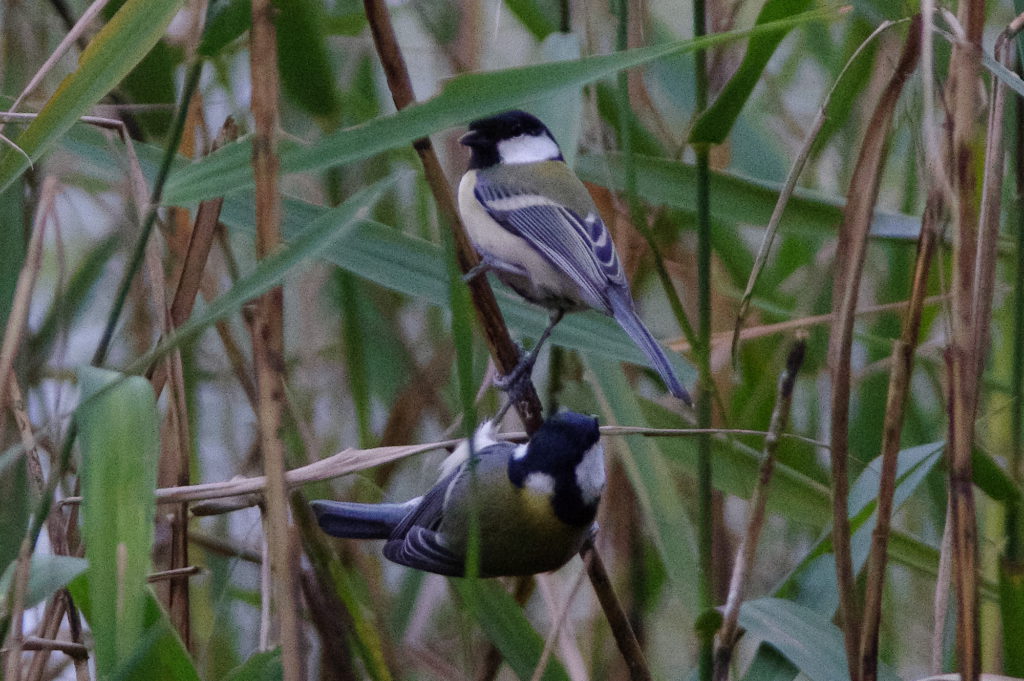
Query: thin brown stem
<point x="852" y="248"/>
<point x="895" y="410"/>
<point x="618" y="620"/>
<point x="268" y="334"/>
<point x="499" y="342"/>
<point x="747" y="551"/>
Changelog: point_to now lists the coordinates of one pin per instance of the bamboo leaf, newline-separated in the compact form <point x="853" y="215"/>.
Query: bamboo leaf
<point x="804" y="637"/>
<point x="47" y="573"/>
<point x="263" y="666"/>
<point x="666" y="516"/>
<point x="463" y="98"/>
<point x="503" y="623"/>
<point x="714" y="124"/>
<point x="318" y="235"/>
<point x="157" y="652"/>
<point x="14" y="511"/>
<point x="109" y="57"/>
<point x="739" y="200"/>
<point x="119" y="437"/>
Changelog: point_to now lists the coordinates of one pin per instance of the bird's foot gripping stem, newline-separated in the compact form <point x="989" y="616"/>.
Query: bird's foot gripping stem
<point x="515" y="384"/>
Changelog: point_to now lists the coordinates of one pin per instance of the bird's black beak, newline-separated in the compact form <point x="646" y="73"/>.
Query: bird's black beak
<point x="472" y="138"/>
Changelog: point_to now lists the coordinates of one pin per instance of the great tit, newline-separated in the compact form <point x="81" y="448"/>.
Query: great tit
<point x="536" y="227"/>
<point x="535" y="503"/>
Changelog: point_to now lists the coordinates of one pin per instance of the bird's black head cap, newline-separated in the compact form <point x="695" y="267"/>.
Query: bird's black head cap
<point x="556" y="449"/>
<point x="486" y="133"/>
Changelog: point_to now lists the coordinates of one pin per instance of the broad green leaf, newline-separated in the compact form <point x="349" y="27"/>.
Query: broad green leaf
<point x="793" y="494"/>
<point x="1011" y="608"/>
<point x="665" y="514"/>
<point x="303" y="59"/>
<point x="714" y="124"/>
<point x="156" y="653"/>
<point x="331" y="225"/>
<point x="737" y="200"/>
<point x="770" y="665"/>
<point x="502" y="621"/>
<point x="118" y="432"/>
<point x="47" y="573"/>
<point x="991" y="479"/>
<point x="264" y="666"/>
<point x="227" y="21"/>
<point x="151" y="82"/>
<point x="109" y="57"/>
<point x="804" y="637"/>
<point x="540" y="18"/>
<point x="14" y="511"/>
<point x="463" y="98"/>
<point x="12" y="246"/>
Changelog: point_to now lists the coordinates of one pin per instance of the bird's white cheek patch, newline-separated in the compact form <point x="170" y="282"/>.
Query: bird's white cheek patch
<point x="528" y="149"/>
<point x="542" y="483"/>
<point x="590" y="474"/>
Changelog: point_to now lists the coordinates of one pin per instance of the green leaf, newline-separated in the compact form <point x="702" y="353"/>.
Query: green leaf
<point x="264" y="666"/>
<point x="118" y="432"/>
<point x="47" y="573"/>
<point x="666" y="517"/>
<point x="1011" y="608"/>
<point x="463" y="98"/>
<point x="303" y="59"/>
<point x="14" y="511"/>
<point x="12" y="247"/>
<point x="738" y="200"/>
<point x="109" y="57"/>
<point x="333" y="224"/>
<point x="806" y="638"/>
<point x="157" y="652"/>
<point x="540" y="18"/>
<point x="714" y="124"/>
<point x="503" y="623"/>
<point x="227" y="21"/>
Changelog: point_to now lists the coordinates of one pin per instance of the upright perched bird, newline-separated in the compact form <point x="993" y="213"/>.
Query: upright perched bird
<point x="535" y="503"/>
<point x="536" y="227"/>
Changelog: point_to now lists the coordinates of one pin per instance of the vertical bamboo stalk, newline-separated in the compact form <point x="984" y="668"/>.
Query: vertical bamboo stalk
<point x="268" y="336"/>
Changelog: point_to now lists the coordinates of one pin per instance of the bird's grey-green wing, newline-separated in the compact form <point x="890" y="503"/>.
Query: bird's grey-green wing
<point x="569" y="234"/>
<point x="416" y="543"/>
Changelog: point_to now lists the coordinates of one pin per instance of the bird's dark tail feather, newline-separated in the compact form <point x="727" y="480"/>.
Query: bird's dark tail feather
<point x="358" y="521"/>
<point x="625" y="314"/>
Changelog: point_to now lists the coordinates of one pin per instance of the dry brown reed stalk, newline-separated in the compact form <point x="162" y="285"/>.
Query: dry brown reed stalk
<point x="197" y="253"/>
<point x="73" y="650"/>
<point x="850" y="256"/>
<point x="895" y="409"/>
<point x="964" y="355"/>
<point x="747" y="551"/>
<point x="268" y="334"/>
